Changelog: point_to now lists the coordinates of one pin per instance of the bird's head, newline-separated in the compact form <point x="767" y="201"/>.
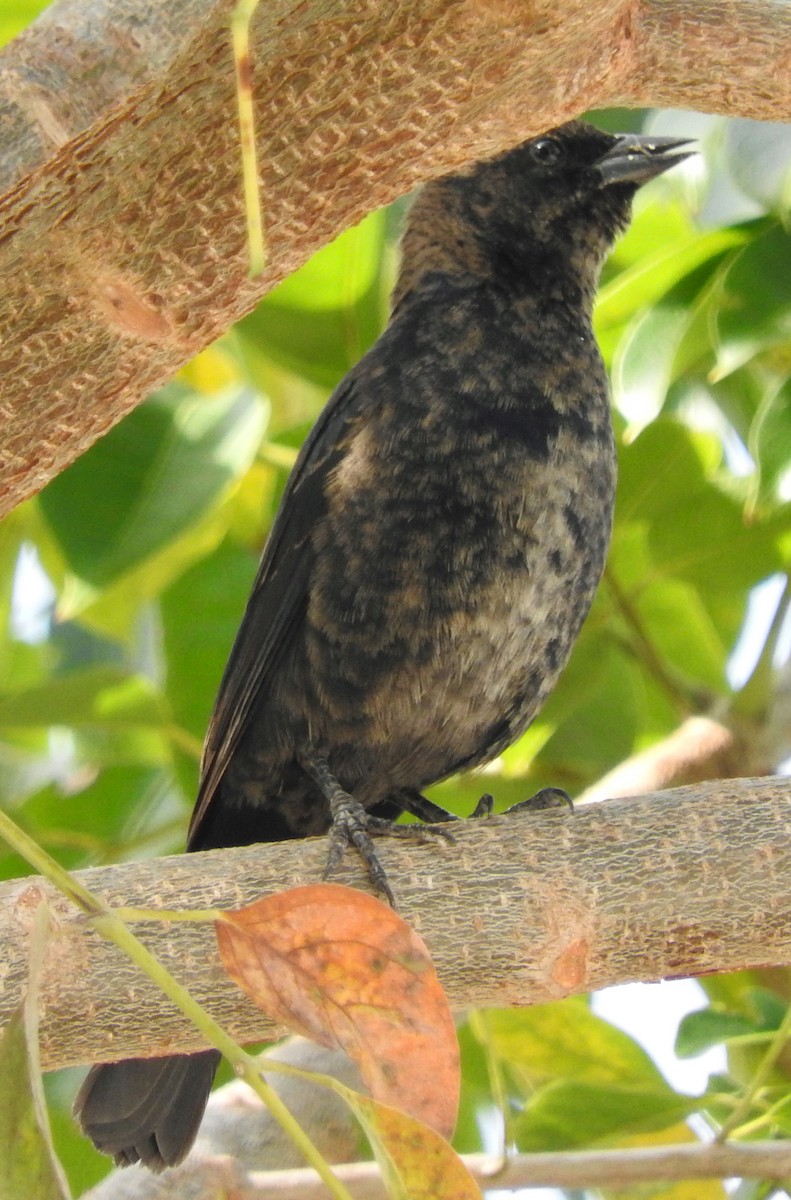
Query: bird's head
<point x="554" y="203"/>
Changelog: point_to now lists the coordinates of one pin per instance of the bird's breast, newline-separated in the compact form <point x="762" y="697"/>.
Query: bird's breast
<point x="452" y="578"/>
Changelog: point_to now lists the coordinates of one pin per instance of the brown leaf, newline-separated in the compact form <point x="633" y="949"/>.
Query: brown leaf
<point x="343" y="969"/>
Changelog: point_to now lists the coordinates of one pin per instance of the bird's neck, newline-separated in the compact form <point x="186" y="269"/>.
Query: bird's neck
<point x="438" y="243"/>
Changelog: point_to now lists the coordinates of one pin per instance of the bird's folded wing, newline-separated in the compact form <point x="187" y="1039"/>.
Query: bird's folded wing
<point x="280" y="592"/>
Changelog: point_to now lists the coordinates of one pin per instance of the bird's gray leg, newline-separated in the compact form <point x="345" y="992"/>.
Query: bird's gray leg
<point x="350" y="823"/>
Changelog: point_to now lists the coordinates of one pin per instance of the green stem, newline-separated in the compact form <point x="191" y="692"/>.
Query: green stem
<point x="110" y="925"/>
<point x="647" y="651"/>
<point x="759" y="1079"/>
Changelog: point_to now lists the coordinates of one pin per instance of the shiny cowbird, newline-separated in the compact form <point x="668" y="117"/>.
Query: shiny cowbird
<point x="436" y="551"/>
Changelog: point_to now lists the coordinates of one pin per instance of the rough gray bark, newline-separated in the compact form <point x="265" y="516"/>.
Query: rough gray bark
<point x="522" y="909"/>
<point x="122" y="241"/>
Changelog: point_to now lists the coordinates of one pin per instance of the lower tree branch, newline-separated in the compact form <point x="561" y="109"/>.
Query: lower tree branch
<point x="583" y="1169"/>
<point x="522" y="909"/>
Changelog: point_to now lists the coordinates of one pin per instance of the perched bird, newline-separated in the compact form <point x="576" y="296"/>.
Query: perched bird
<point x="435" y="553"/>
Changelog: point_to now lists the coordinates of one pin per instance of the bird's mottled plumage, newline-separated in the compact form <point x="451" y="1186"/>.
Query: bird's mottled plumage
<point x="437" y="547"/>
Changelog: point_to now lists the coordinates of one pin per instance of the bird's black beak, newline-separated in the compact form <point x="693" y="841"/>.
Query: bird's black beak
<point x="635" y="159"/>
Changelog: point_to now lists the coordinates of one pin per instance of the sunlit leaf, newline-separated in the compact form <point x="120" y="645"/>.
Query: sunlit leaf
<point x="770" y="443"/>
<point x="321" y="319"/>
<point x="571" y="1112"/>
<point x="150" y="478"/>
<point x="754" y="312"/>
<point x="566" y="1040"/>
<point x="16" y="16"/>
<point x="653" y="274"/>
<point x="699" y="1031"/>
<point x="99" y="696"/>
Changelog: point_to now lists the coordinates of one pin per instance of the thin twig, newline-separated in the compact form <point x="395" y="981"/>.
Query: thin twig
<point x="589" y="1168"/>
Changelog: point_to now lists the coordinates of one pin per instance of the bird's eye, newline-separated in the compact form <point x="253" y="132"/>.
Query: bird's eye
<point x="546" y="151"/>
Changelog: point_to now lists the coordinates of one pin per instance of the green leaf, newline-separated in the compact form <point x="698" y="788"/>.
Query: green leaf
<point x="770" y="444"/>
<point x="662" y="341"/>
<point x="673" y="618"/>
<point x="98" y="696"/>
<point x="658" y="262"/>
<point x="572" y="1112"/>
<point x="123" y="804"/>
<point x="754" y="311"/>
<point x="201" y="613"/>
<point x="598" y="719"/>
<point x="565" y="1040"/>
<point x="695" y="531"/>
<point x="150" y="478"/>
<point x="321" y="319"/>
<point x="476" y="1094"/>
<point x="699" y="1031"/>
<point x="643" y="366"/>
<point x="17" y="16"/>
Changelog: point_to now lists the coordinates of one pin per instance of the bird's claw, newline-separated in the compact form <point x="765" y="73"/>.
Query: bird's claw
<point x="483" y="808"/>
<point x="351" y="825"/>
<point x="548" y="797"/>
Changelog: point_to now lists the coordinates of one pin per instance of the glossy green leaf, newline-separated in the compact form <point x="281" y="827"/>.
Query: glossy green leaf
<point x="321" y="319"/>
<point x="150" y="478"/>
<point x="16" y="15"/>
<point x="643" y="368"/>
<point x="664" y="263"/>
<point x="105" y="696"/>
<point x="754" y="310"/>
<point x="770" y="445"/>
<point x="663" y="340"/>
<point x="571" y="1112"/>
<point x="699" y="1031"/>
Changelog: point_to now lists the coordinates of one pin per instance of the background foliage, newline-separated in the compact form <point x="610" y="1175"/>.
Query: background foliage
<point x="122" y="584"/>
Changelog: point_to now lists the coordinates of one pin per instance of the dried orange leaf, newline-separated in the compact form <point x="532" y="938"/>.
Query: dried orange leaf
<point x="416" y="1163"/>
<point x="343" y="969"/>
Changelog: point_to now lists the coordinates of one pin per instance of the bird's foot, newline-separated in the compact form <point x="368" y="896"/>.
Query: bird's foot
<point x="352" y="825"/>
<point x="418" y="805"/>
<point x="548" y="797"/>
<point x="483" y="808"/>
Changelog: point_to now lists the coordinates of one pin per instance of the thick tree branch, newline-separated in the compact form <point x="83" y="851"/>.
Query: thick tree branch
<point x="523" y="909"/>
<point x="122" y="243"/>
